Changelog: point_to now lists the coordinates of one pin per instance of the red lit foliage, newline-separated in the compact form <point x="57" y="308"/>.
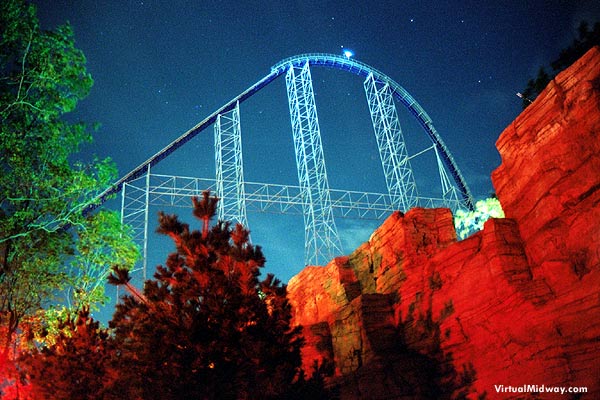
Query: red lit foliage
<point x="204" y="328"/>
<point x="76" y="366"/>
<point x="207" y="328"/>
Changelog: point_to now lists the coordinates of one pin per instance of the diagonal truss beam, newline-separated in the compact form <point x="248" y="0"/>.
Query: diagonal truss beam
<point x="398" y="173"/>
<point x="230" y="168"/>
<point x="176" y="191"/>
<point x="317" y="202"/>
<point x="322" y="242"/>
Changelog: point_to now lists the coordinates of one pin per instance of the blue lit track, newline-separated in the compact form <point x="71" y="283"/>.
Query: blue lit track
<point x="314" y="59"/>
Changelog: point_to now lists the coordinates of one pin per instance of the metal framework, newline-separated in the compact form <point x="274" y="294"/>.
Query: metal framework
<point x="399" y="177"/>
<point x="313" y="197"/>
<point x="175" y="191"/>
<point x="230" y="168"/>
<point x="449" y="191"/>
<point x="320" y="233"/>
<point x="135" y="204"/>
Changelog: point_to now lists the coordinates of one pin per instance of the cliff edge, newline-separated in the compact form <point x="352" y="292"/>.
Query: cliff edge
<point x="413" y="313"/>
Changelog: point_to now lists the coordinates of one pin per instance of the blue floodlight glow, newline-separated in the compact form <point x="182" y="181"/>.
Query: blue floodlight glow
<point x="348" y="54"/>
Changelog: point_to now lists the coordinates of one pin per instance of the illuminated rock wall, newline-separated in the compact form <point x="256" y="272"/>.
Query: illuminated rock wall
<point x="413" y="313"/>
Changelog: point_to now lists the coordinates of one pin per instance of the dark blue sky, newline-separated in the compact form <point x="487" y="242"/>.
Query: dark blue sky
<point x="162" y="66"/>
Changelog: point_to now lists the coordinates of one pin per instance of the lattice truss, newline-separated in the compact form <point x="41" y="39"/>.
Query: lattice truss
<point x="230" y="168"/>
<point x="392" y="148"/>
<point x="321" y="236"/>
<point x="312" y="197"/>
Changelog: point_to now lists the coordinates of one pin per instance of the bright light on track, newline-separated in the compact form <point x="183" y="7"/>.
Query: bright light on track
<point x="348" y="54"/>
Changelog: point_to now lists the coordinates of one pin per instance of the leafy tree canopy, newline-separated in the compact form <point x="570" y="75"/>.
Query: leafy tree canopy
<point x="73" y="367"/>
<point x="50" y="253"/>
<point x="469" y="222"/>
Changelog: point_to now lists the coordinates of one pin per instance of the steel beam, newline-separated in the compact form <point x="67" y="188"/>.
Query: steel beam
<point x="230" y="168"/>
<point x="321" y="236"/>
<point x="392" y="148"/>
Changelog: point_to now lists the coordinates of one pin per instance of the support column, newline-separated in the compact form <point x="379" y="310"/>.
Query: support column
<point x="135" y="204"/>
<point x="321" y="238"/>
<point x="229" y="167"/>
<point x="449" y="191"/>
<point x="399" y="177"/>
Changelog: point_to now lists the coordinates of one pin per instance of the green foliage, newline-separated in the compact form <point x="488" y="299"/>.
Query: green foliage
<point x="586" y="39"/>
<point x="49" y="252"/>
<point x="468" y="222"/>
<point x="103" y="243"/>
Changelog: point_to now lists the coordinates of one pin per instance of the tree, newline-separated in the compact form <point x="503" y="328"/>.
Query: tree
<point x="75" y="366"/>
<point x="468" y="222"/>
<point x="585" y="40"/>
<point x="207" y="328"/>
<point x="204" y="210"/>
<point x="50" y="253"/>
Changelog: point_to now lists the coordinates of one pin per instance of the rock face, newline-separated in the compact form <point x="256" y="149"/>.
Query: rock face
<point x="413" y="313"/>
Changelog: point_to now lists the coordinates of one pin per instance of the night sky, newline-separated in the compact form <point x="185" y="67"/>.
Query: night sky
<point x="162" y="66"/>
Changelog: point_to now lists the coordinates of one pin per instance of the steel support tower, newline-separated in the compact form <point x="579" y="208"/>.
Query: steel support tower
<point x="322" y="242"/>
<point x="318" y="203"/>
<point x="392" y="148"/>
<point x="135" y="205"/>
<point x="230" y="168"/>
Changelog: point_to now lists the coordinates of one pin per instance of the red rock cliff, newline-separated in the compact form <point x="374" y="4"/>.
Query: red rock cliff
<point x="413" y="313"/>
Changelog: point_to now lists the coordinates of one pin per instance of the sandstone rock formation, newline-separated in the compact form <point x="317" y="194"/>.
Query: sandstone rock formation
<point x="413" y="313"/>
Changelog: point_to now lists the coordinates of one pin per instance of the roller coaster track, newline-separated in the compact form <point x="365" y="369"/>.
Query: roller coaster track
<point x="319" y="203"/>
<point x="313" y="59"/>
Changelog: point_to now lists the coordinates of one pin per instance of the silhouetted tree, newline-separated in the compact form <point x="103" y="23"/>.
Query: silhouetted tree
<point x="204" y="210"/>
<point x="120" y="277"/>
<point x="205" y="327"/>
<point x="209" y="329"/>
<point x="585" y="40"/>
<point x="535" y="86"/>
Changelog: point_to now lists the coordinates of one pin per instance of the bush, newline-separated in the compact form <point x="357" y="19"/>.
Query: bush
<point x="468" y="222"/>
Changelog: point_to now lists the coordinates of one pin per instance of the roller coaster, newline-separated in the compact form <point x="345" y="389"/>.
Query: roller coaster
<point x="319" y="204"/>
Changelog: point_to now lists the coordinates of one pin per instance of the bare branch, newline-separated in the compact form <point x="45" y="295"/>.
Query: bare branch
<point x="23" y="64"/>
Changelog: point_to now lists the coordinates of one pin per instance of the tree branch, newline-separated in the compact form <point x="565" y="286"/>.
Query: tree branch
<point x="23" y="64"/>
